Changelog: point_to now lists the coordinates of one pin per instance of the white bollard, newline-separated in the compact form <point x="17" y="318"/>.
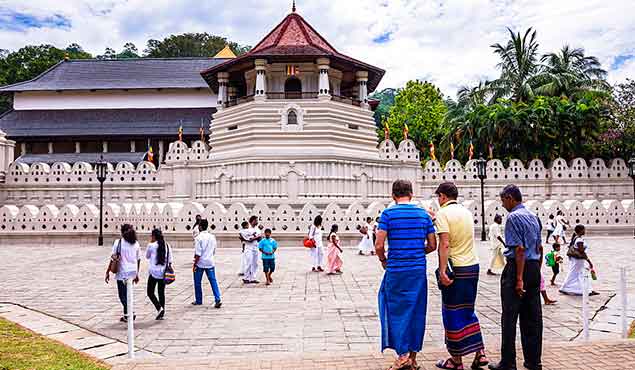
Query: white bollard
<point x="585" y="305"/>
<point x="130" y="303"/>
<point x="624" y="301"/>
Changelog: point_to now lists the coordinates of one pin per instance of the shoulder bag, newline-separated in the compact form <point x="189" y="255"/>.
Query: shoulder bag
<point x="168" y="275"/>
<point x="114" y="259"/>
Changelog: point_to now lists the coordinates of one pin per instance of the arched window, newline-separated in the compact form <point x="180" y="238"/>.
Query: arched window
<point x="293" y="88"/>
<point x="292" y="118"/>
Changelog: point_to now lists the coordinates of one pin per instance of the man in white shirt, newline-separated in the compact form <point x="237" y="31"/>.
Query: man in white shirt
<point x="496" y="245"/>
<point x="204" y="251"/>
<point x="251" y="251"/>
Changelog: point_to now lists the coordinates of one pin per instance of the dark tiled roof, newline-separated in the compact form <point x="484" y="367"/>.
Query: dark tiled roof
<point x="81" y="157"/>
<point x="142" y="73"/>
<point x="105" y="122"/>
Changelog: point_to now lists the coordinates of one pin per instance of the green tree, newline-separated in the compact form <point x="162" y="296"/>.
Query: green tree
<point x="386" y="99"/>
<point x="569" y="72"/>
<point x="109" y="53"/>
<point x="129" y="51"/>
<point x="619" y="138"/>
<point x="191" y="45"/>
<point x="421" y="106"/>
<point x="518" y="64"/>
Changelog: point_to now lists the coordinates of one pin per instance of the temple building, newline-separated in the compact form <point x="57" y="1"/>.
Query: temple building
<point x="81" y="109"/>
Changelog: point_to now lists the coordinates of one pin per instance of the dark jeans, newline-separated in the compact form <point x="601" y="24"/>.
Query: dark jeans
<point x="198" y="290"/>
<point x="526" y="310"/>
<point x="123" y="297"/>
<point x="152" y="283"/>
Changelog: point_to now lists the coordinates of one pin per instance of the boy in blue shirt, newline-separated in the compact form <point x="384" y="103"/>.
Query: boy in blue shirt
<point x="267" y="247"/>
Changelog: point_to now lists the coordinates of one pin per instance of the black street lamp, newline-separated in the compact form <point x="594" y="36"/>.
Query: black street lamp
<point x="481" y="171"/>
<point x="631" y="174"/>
<point x="101" y="169"/>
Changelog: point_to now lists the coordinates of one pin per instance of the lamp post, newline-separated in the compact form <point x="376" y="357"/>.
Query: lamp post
<point x="631" y="174"/>
<point x="481" y="171"/>
<point x="100" y="169"/>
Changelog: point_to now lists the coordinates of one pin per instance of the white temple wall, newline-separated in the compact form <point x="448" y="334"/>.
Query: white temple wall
<point x="115" y="99"/>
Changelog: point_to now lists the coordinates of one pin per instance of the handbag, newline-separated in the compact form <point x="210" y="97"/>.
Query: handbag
<point x="168" y="275"/>
<point x="573" y="251"/>
<point x="309" y="242"/>
<point x="113" y="265"/>
<point x="449" y="271"/>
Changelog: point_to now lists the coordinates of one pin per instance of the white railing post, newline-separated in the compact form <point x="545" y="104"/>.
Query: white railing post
<point x="624" y="301"/>
<point x="130" y="304"/>
<point x="585" y="305"/>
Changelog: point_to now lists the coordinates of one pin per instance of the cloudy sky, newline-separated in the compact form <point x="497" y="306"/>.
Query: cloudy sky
<point x="444" y="41"/>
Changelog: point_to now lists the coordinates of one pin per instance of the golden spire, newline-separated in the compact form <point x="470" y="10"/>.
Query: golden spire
<point x="386" y="131"/>
<point x="405" y="132"/>
<point x="226" y="53"/>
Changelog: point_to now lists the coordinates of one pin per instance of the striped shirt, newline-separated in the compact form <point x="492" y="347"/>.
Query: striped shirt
<point x="408" y="227"/>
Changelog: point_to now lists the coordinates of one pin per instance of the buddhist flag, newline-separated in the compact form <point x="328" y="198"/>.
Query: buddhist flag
<point x="181" y="133"/>
<point x="471" y="151"/>
<point x="293" y="70"/>
<point x="491" y="151"/>
<point x="150" y="154"/>
<point x="405" y="132"/>
<point x="451" y="150"/>
<point x="386" y="131"/>
<point x="432" y="155"/>
<point x="202" y="132"/>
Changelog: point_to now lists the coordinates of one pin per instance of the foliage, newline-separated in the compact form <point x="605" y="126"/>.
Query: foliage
<point x="23" y="349"/>
<point x="191" y="45"/>
<point x="545" y="128"/>
<point x="619" y="138"/>
<point x="420" y="105"/>
<point x="386" y="99"/>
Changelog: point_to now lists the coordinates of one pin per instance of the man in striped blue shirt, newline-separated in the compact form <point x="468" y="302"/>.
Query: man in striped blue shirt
<point x="403" y="294"/>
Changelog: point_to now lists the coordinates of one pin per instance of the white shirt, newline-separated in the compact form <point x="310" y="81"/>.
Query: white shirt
<point x="195" y="231"/>
<point x="252" y="232"/>
<point x="316" y="234"/>
<point x="494" y="233"/>
<point x="156" y="271"/>
<point x="129" y="255"/>
<point x="205" y="248"/>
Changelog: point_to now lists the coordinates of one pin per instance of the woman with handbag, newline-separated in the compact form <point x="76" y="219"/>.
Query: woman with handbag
<point x="124" y="263"/>
<point x="317" y="251"/>
<point x="577" y="263"/>
<point x="159" y="258"/>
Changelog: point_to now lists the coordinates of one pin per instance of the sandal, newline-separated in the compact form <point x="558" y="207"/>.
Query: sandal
<point x="479" y="362"/>
<point x="402" y="364"/>
<point x="446" y="365"/>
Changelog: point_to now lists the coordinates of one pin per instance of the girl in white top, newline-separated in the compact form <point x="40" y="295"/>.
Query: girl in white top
<point x="317" y="253"/>
<point x="561" y="225"/>
<point x="159" y="257"/>
<point x="366" y="245"/>
<point x="127" y="249"/>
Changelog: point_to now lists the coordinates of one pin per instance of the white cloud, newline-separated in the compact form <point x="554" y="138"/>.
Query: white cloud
<point x="446" y="42"/>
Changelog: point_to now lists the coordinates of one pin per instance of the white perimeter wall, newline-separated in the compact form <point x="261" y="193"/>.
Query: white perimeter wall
<point x="115" y="99"/>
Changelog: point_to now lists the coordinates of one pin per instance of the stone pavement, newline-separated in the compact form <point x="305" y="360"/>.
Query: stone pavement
<point x="301" y="313"/>
<point x="613" y="355"/>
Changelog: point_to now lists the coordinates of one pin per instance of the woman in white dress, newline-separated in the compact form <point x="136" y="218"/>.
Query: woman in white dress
<point x="561" y="226"/>
<point x="317" y="253"/>
<point x="366" y="245"/>
<point x="573" y="284"/>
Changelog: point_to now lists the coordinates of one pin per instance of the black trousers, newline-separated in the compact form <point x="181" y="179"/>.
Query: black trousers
<point x="160" y="283"/>
<point x="526" y="310"/>
<point x="123" y="295"/>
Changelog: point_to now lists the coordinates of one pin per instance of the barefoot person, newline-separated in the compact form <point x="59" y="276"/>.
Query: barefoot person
<point x="578" y="258"/>
<point x="333" y="258"/>
<point x="126" y="249"/>
<point x="520" y="284"/>
<point x="496" y="245"/>
<point x="268" y="247"/>
<point x="317" y="252"/>
<point x="159" y="257"/>
<point x="455" y="227"/>
<point x="251" y="250"/>
<point x="403" y="294"/>
<point x="204" y="263"/>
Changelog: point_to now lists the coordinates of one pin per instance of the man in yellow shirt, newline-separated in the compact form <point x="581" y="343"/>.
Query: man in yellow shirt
<point x="458" y="277"/>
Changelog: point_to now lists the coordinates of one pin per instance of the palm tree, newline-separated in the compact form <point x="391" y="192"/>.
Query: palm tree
<point x="470" y="97"/>
<point x="519" y="63"/>
<point x="568" y="72"/>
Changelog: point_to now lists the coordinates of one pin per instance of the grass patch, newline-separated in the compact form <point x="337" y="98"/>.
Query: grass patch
<point x="23" y="349"/>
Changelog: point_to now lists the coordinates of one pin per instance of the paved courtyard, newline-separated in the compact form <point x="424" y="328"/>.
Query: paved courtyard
<point x="302" y="312"/>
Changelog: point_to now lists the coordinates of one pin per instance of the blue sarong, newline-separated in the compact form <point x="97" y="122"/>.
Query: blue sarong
<point x="403" y="298"/>
<point x="462" y="329"/>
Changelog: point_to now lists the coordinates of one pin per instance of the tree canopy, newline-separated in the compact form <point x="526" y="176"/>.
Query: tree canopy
<point x="386" y="99"/>
<point x="191" y="45"/>
<point x="419" y="105"/>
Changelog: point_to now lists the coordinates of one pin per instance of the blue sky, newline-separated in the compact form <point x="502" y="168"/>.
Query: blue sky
<point x="446" y="42"/>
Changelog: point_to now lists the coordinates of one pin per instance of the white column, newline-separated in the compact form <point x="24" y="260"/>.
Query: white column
<point x="7" y="148"/>
<point x="223" y="82"/>
<point x="104" y="146"/>
<point x="50" y="147"/>
<point x="78" y="148"/>
<point x="132" y="146"/>
<point x="362" y="87"/>
<point x="22" y="148"/>
<point x="323" y="82"/>
<point x="160" y="151"/>
<point x="261" y="79"/>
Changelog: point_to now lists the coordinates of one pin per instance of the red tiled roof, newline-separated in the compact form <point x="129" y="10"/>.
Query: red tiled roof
<point x="294" y="36"/>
